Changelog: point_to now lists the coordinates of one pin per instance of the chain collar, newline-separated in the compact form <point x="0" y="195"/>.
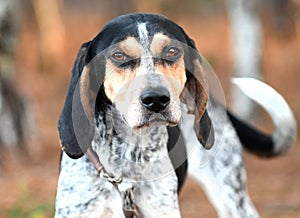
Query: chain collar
<point x="130" y="208"/>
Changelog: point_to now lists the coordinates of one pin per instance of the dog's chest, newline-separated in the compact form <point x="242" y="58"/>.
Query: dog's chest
<point x="132" y="155"/>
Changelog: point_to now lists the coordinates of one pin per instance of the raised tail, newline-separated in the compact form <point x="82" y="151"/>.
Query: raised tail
<point x="285" y="124"/>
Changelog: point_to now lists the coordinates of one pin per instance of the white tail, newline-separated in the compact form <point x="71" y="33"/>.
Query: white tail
<point x="280" y="112"/>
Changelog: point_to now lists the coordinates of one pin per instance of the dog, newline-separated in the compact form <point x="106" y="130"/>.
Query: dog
<point x="139" y="116"/>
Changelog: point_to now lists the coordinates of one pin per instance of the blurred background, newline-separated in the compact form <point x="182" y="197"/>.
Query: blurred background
<point x="39" y="41"/>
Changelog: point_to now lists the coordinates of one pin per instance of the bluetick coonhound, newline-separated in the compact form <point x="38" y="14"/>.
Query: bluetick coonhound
<point x="138" y="117"/>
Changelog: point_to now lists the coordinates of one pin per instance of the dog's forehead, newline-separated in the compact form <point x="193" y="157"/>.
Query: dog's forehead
<point x="136" y="46"/>
<point x="135" y="26"/>
<point x="142" y="26"/>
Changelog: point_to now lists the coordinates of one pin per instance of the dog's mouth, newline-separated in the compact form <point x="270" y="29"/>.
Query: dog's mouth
<point x="156" y="119"/>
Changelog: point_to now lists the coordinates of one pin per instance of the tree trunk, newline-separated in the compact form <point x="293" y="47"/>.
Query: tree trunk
<point x="246" y="41"/>
<point x="51" y="32"/>
<point x="14" y="117"/>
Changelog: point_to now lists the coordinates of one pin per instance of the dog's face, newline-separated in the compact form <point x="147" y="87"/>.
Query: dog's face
<point x="146" y="66"/>
<point x="144" y="77"/>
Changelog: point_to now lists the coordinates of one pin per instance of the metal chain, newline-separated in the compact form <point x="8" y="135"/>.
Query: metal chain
<point x="130" y="208"/>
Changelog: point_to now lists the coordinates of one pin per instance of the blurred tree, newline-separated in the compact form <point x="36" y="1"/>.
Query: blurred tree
<point x="14" y="115"/>
<point x="51" y="32"/>
<point x="281" y="16"/>
<point x="246" y="43"/>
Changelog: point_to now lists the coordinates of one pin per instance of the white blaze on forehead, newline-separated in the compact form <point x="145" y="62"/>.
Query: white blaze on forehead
<point x="143" y="35"/>
<point x="146" y="58"/>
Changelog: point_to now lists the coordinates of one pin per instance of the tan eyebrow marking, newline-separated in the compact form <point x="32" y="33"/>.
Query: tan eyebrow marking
<point x="158" y="43"/>
<point x="131" y="47"/>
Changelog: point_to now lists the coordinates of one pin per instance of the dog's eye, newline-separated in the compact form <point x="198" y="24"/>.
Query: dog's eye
<point x="119" y="56"/>
<point x="172" y="52"/>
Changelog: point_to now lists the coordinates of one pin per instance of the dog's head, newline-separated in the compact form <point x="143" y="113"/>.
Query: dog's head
<point x="144" y="66"/>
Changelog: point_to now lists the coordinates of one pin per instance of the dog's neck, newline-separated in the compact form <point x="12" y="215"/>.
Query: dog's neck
<point x="129" y="153"/>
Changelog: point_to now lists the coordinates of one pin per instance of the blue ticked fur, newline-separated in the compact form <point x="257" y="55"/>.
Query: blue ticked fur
<point x="144" y="121"/>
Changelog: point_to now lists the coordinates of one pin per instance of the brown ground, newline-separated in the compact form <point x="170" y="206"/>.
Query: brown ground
<point x="28" y="183"/>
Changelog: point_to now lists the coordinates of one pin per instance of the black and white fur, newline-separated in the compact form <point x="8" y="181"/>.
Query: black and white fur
<point x="142" y="157"/>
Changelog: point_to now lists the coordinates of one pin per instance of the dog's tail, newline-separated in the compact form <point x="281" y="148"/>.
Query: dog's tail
<point x="283" y="119"/>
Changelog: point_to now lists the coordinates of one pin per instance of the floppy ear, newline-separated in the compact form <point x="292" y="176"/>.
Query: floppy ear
<point x="195" y="96"/>
<point x="76" y="123"/>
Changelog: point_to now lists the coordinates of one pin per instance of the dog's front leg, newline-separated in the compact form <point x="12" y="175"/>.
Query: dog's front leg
<point x="110" y="205"/>
<point x="81" y="193"/>
<point x="158" y="198"/>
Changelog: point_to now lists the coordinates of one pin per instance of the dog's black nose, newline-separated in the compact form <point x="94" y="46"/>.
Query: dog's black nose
<point x="155" y="99"/>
